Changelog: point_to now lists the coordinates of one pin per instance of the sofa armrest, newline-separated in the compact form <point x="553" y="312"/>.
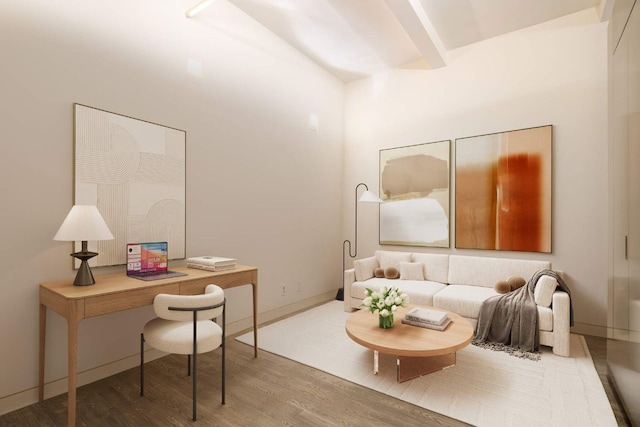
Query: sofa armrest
<point x="561" y="323"/>
<point x="349" y="278"/>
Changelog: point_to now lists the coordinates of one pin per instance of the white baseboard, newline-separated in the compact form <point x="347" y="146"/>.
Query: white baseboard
<point x="28" y="397"/>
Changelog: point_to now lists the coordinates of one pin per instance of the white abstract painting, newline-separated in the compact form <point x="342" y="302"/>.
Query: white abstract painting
<point x="414" y="185"/>
<point x="134" y="172"/>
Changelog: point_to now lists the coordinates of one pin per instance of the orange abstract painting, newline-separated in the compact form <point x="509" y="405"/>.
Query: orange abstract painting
<point x="503" y="191"/>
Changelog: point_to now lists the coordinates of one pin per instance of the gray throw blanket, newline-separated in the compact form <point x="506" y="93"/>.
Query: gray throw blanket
<point x="509" y="322"/>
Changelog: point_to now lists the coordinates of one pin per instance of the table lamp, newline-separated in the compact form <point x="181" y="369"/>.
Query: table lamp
<point x="83" y="223"/>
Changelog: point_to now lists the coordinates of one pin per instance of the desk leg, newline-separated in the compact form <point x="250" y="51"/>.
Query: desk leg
<point x="72" y="337"/>
<point x="255" y="319"/>
<point x="43" y="332"/>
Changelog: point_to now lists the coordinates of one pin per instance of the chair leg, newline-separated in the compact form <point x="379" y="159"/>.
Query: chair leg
<point x="188" y="365"/>
<point x="223" y="367"/>
<point x="223" y="373"/>
<point x="224" y="346"/>
<point x="194" y="393"/>
<point x="141" y="365"/>
<point x="195" y="362"/>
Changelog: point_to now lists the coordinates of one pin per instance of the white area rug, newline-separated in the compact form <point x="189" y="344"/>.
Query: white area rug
<point x="484" y="388"/>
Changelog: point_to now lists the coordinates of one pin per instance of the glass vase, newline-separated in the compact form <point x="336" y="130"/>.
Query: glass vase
<point x="385" y="322"/>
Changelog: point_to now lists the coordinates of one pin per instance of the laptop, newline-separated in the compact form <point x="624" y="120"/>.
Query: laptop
<point x="149" y="261"/>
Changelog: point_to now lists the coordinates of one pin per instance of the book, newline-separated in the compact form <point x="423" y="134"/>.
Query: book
<point x="201" y="266"/>
<point x="424" y="315"/>
<point x="210" y="267"/>
<point x="211" y="260"/>
<point x="214" y="263"/>
<point x="441" y="327"/>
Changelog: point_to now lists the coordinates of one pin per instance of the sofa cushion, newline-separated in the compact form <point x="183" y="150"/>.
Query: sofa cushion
<point x="365" y="267"/>
<point x="436" y="266"/>
<point x="392" y="258"/>
<point x="543" y="292"/>
<point x="391" y="273"/>
<point x="420" y="292"/>
<point x="378" y="272"/>
<point x="481" y="271"/>
<point x="463" y="300"/>
<point x="502" y="287"/>
<point x="516" y="282"/>
<point x="411" y="271"/>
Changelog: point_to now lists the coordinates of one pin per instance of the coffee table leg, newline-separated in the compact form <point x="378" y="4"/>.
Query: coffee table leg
<point x="375" y="362"/>
<point x="414" y="367"/>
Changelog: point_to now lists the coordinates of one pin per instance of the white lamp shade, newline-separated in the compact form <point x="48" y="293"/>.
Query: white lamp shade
<point x="369" y="197"/>
<point x="83" y="223"/>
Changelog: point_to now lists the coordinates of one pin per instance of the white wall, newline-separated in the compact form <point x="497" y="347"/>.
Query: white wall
<point x="260" y="185"/>
<point x="555" y="73"/>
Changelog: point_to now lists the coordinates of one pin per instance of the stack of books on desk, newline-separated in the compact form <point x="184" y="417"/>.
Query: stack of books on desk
<point x="425" y="318"/>
<point x="211" y="263"/>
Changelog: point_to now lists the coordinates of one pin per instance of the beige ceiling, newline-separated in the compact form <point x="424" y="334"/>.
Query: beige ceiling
<point x="357" y="38"/>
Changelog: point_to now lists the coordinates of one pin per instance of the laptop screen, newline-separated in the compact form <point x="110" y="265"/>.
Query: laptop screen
<point x="144" y="258"/>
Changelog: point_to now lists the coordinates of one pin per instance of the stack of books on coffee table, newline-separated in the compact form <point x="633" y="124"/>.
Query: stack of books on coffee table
<point x="211" y="263"/>
<point x="426" y="318"/>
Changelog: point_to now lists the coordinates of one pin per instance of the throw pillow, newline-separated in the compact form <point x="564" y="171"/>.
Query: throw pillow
<point x="392" y="258"/>
<point x="364" y="268"/>
<point x="502" y="287"/>
<point x="543" y="293"/>
<point x="516" y="282"/>
<point x="378" y="272"/>
<point x="391" y="273"/>
<point x="411" y="271"/>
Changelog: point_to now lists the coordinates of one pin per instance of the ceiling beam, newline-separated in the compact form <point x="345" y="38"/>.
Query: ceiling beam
<point x="416" y="22"/>
<point x="202" y="5"/>
<point x="605" y="9"/>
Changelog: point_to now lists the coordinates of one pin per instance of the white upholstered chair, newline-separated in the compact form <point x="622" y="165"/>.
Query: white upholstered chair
<point x="185" y="326"/>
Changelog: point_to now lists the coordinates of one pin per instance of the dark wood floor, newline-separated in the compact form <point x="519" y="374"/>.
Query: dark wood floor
<point x="266" y="391"/>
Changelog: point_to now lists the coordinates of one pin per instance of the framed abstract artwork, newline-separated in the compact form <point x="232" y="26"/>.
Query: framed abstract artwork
<point x="134" y="172"/>
<point x="414" y="185"/>
<point x="503" y="191"/>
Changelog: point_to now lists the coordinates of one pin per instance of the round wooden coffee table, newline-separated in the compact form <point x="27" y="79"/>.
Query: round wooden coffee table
<point x="419" y="350"/>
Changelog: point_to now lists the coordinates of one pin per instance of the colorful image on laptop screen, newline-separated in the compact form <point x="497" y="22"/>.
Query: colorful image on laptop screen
<point x="145" y="258"/>
<point x="149" y="261"/>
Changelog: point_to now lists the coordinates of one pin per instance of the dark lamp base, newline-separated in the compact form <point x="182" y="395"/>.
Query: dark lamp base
<point x="84" y="277"/>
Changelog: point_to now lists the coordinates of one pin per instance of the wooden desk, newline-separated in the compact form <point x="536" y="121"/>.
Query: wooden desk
<point x="117" y="292"/>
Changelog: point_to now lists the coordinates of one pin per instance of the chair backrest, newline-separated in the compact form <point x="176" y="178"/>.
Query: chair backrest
<point x="213" y="295"/>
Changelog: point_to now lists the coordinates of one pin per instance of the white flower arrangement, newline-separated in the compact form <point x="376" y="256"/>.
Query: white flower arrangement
<point x="387" y="300"/>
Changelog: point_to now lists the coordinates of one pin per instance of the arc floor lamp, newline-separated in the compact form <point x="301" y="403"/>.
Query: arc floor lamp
<point x="367" y="197"/>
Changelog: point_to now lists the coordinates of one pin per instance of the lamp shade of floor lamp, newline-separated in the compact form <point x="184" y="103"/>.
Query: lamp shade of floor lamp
<point x="366" y="197"/>
<point x="83" y="223"/>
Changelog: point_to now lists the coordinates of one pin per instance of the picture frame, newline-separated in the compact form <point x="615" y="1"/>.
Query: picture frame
<point x="503" y="190"/>
<point x="414" y="185"/>
<point x="134" y="171"/>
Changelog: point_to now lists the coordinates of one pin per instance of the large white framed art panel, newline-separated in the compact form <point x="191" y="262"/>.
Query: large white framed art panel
<point x="134" y="171"/>
<point x="414" y="185"/>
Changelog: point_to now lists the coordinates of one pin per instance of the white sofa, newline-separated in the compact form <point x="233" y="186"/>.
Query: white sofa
<point x="460" y="284"/>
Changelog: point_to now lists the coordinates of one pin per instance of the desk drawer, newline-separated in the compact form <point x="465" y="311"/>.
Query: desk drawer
<point x="102" y="304"/>
<point x="226" y="280"/>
